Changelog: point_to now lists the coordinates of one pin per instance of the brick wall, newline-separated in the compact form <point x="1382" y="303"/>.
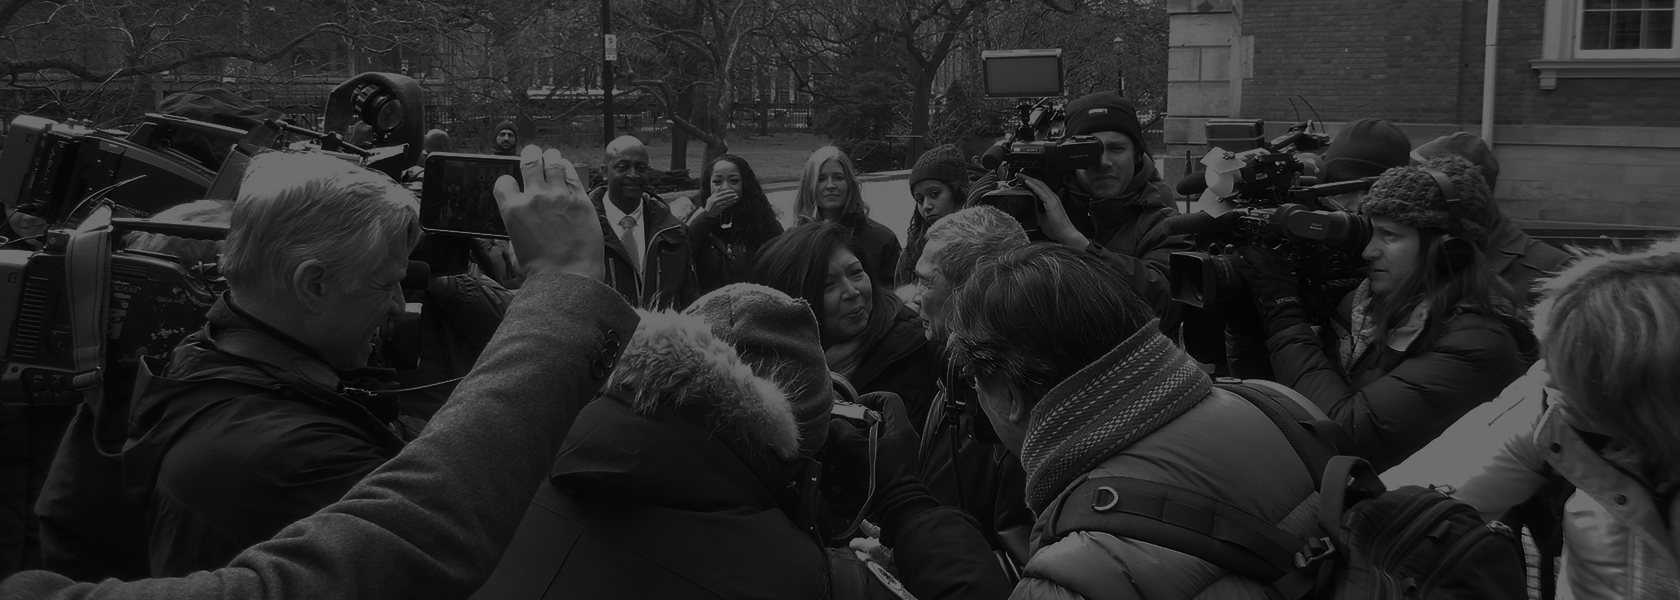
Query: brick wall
<point x="1399" y="60"/>
<point x="1600" y="150"/>
<point x="1420" y="61"/>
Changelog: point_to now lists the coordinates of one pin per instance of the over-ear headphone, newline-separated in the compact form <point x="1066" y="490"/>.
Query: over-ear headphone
<point x="1458" y="250"/>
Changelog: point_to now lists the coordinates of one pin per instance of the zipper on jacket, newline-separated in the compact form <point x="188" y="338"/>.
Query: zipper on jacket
<point x="659" y="269"/>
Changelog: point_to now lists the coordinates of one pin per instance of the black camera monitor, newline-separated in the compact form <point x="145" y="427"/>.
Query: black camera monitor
<point x="457" y="195"/>
<point x="1023" y="73"/>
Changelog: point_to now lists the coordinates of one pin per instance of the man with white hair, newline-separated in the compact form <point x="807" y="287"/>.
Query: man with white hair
<point x="271" y="412"/>
<point x="963" y="463"/>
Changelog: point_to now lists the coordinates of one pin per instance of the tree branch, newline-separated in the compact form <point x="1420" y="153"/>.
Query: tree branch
<point x="83" y="73"/>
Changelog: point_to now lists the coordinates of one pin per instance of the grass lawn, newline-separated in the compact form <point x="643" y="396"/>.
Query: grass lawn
<point x="776" y="158"/>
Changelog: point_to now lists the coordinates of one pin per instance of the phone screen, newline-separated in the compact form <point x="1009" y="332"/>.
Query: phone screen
<point x="457" y="194"/>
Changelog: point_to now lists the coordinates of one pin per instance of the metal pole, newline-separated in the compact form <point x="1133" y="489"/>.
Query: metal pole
<point x="608" y="50"/>
<point x="1490" y="70"/>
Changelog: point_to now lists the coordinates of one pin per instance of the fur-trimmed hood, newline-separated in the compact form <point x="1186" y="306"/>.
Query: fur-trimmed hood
<point x="673" y="362"/>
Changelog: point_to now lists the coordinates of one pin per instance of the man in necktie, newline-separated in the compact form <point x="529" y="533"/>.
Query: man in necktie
<point x="649" y="256"/>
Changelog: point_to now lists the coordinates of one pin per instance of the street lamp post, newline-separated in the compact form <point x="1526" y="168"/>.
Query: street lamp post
<point x="1119" y="67"/>
<point x="609" y="53"/>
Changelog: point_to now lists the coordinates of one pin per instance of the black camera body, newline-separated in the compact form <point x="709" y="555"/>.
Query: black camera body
<point x="154" y="303"/>
<point x="1278" y="207"/>
<point x="65" y="172"/>
<point x="1322" y="248"/>
<point x="1037" y="149"/>
<point x="48" y="167"/>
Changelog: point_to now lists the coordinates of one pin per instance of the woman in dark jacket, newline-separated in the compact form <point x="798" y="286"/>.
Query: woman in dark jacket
<point x="868" y="334"/>
<point x="734" y="221"/>
<point x="829" y="192"/>
<point x="1429" y="335"/>
<point x="939" y="186"/>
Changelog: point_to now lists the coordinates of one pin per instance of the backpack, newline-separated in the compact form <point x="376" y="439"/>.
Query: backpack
<point x="1368" y="542"/>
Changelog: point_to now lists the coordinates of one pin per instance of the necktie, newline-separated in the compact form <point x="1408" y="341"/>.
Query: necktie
<point x="632" y="246"/>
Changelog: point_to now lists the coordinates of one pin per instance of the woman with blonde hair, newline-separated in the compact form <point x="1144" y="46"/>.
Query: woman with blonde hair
<point x="829" y="191"/>
<point x="1610" y="332"/>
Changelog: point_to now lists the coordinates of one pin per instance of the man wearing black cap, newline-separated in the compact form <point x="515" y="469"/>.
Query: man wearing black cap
<point x="507" y="138"/>
<point x="1364" y="148"/>
<point x="1116" y="209"/>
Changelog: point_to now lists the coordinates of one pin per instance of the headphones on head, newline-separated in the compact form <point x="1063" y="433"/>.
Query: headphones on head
<point x="1458" y="250"/>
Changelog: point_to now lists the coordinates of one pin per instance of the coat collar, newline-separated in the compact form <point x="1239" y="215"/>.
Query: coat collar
<point x="1624" y="497"/>
<point x="656" y="215"/>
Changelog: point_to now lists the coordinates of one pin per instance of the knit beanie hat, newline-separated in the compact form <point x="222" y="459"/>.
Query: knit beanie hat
<point x="944" y="163"/>
<point x="1465" y="145"/>
<point x="1411" y="196"/>
<point x="1366" y="148"/>
<point x="505" y="124"/>
<point x="1106" y="111"/>
<point x="778" y="337"/>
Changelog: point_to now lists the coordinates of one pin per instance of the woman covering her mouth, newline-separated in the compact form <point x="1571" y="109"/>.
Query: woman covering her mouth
<point x="868" y="334"/>
<point x="829" y="192"/>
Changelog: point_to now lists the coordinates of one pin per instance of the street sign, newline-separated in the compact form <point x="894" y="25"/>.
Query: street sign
<point x="612" y="46"/>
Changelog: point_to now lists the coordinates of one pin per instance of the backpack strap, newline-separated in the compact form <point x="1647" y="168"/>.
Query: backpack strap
<point x="87" y="282"/>
<point x="1311" y="434"/>
<point x="1347" y="480"/>
<point x="1214" y="531"/>
<point x="1177" y="519"/>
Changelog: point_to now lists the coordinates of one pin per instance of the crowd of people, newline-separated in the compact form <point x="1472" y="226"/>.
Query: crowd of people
<point x="702" y="404"/>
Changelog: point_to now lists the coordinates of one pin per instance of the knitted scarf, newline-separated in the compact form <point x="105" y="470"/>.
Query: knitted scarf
<point x="1362" y="329"/>
<point x="1139" y="386"/>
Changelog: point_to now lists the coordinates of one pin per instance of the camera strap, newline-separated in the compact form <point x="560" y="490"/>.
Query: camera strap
<point x="87" y="282"/>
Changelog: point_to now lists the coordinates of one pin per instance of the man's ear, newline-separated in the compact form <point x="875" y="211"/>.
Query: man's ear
<point x="1018" y="407"/>
<point x="310" y="285"/>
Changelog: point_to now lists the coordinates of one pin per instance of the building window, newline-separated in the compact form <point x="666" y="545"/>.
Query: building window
<point x="1608" y="39"/>
<point x="1626" y="29"/>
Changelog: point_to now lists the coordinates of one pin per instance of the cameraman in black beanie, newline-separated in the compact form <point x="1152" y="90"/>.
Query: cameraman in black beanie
<point x="1116" y="210"/>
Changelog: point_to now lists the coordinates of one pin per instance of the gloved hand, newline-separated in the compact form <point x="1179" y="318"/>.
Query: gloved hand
<point x="1275" y="292"/>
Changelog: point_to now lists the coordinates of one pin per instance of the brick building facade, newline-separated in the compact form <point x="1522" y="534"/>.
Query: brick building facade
<point x="1581" y="134"/>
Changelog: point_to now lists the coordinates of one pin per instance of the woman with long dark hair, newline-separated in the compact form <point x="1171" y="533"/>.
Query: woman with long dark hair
<point x="829" y="191"/>
<point x="939" y="186"/>
<point x="1430" y="334"/>
<point x="733" y="221"/>
<point x="868" y="335"/>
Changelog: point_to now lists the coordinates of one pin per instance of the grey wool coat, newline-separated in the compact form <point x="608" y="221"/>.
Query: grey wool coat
<point x="432" y="522"/>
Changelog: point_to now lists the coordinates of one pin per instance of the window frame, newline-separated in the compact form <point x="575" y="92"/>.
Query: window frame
<point x="1578" y="13"/>
<point x="1562" y="58"/>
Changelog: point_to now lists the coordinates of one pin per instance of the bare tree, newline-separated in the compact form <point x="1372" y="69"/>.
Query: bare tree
<point x="694" y="51"/>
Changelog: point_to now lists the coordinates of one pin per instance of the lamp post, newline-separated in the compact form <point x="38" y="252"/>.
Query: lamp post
<point x="1119" y="67"/>
<point x="609" y="53"/>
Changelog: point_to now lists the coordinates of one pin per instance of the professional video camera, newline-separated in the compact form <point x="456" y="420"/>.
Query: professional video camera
<point x="81" y="180"/>
<point x="1037" y="147"/>
<point x="1278" y="205"/>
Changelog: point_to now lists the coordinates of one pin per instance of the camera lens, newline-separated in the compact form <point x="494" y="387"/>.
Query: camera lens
<point x="378" y="108"/>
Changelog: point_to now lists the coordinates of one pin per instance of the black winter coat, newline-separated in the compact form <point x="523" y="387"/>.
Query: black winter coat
<point x="657" y="506"/>
<point x="243" y="434"/>
<point x="902" y="362"/>
<point x="723" y="255"/>
<point x="1394" y="402"/>
<point x="667" y="278"/>
<point x="878" y="249"/>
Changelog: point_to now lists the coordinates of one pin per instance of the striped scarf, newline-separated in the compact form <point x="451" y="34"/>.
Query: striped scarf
<point x="1139" y="386"/>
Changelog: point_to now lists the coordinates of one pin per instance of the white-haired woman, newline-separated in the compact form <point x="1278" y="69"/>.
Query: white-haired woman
<point x="1611" y="337"/>
<point x="829" y="191"/>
